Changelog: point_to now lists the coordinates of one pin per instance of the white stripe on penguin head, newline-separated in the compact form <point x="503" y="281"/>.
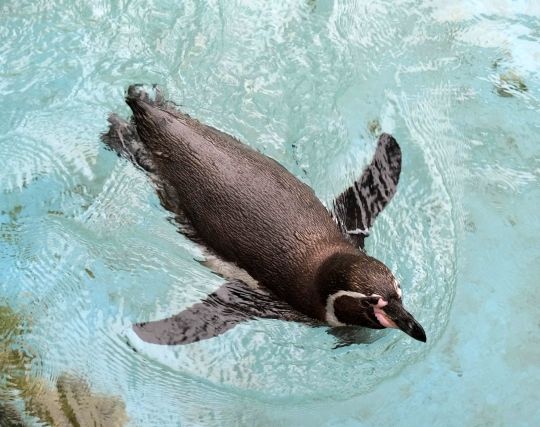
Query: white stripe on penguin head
<point x="330" y="316"/>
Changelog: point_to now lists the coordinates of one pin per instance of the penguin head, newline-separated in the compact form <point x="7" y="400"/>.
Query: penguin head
<point x="363" y="291"/>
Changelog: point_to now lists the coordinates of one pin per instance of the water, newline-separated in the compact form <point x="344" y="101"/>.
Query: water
<point x="86" y="249"/>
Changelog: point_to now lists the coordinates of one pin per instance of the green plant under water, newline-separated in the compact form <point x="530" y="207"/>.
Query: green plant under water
<point x="509" y="84"/>
<point x="67" y="402"/>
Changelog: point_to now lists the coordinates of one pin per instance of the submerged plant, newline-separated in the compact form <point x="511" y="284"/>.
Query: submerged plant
<point x="509" y="84"/>
<point x="69" y="402"/>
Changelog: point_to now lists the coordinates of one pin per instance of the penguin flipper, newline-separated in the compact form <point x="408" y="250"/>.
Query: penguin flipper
<point x="357" y="207"/>
<point x="233" y="303"/>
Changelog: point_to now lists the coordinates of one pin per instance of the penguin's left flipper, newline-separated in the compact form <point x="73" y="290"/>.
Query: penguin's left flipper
<point x="233" y="303"/>
<point x="357" y="207"/>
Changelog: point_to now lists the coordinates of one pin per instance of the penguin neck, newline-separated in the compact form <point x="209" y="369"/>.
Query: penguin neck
<point x="333" y="273"/>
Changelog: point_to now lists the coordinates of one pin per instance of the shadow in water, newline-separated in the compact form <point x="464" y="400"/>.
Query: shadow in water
<point x="349" y="335"/>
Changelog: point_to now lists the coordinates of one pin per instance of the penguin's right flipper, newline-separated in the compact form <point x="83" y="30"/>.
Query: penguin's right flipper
<point x="357" y="207"/>
<point x="233" y="303"/>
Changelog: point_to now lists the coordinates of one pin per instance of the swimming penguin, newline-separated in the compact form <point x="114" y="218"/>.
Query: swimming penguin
<point x="283" y="254"/>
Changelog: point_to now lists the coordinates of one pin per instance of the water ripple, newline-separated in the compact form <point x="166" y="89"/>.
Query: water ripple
<point x="86" y="250"/>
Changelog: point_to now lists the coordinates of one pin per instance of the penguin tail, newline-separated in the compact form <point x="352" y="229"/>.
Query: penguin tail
<point x="123" y="136"/>
<point x="149" y="94"/>
<point x="140" y="95"/>
<point x="142" y="99"/>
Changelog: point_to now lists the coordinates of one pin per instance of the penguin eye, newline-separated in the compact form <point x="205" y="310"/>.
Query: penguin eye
<point x="369" y="301"/>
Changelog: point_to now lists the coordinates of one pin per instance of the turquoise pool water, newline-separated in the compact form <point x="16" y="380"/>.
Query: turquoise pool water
<point x="86" y="249"/>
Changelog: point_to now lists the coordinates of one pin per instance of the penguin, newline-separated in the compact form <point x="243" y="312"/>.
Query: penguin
<point x="282" y="253"/>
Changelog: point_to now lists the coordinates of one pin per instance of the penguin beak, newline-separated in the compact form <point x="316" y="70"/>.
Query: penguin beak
<point x="395" y="316"/>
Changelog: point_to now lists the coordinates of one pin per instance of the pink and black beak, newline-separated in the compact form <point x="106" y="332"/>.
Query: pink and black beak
<point x="392" y="315"/>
